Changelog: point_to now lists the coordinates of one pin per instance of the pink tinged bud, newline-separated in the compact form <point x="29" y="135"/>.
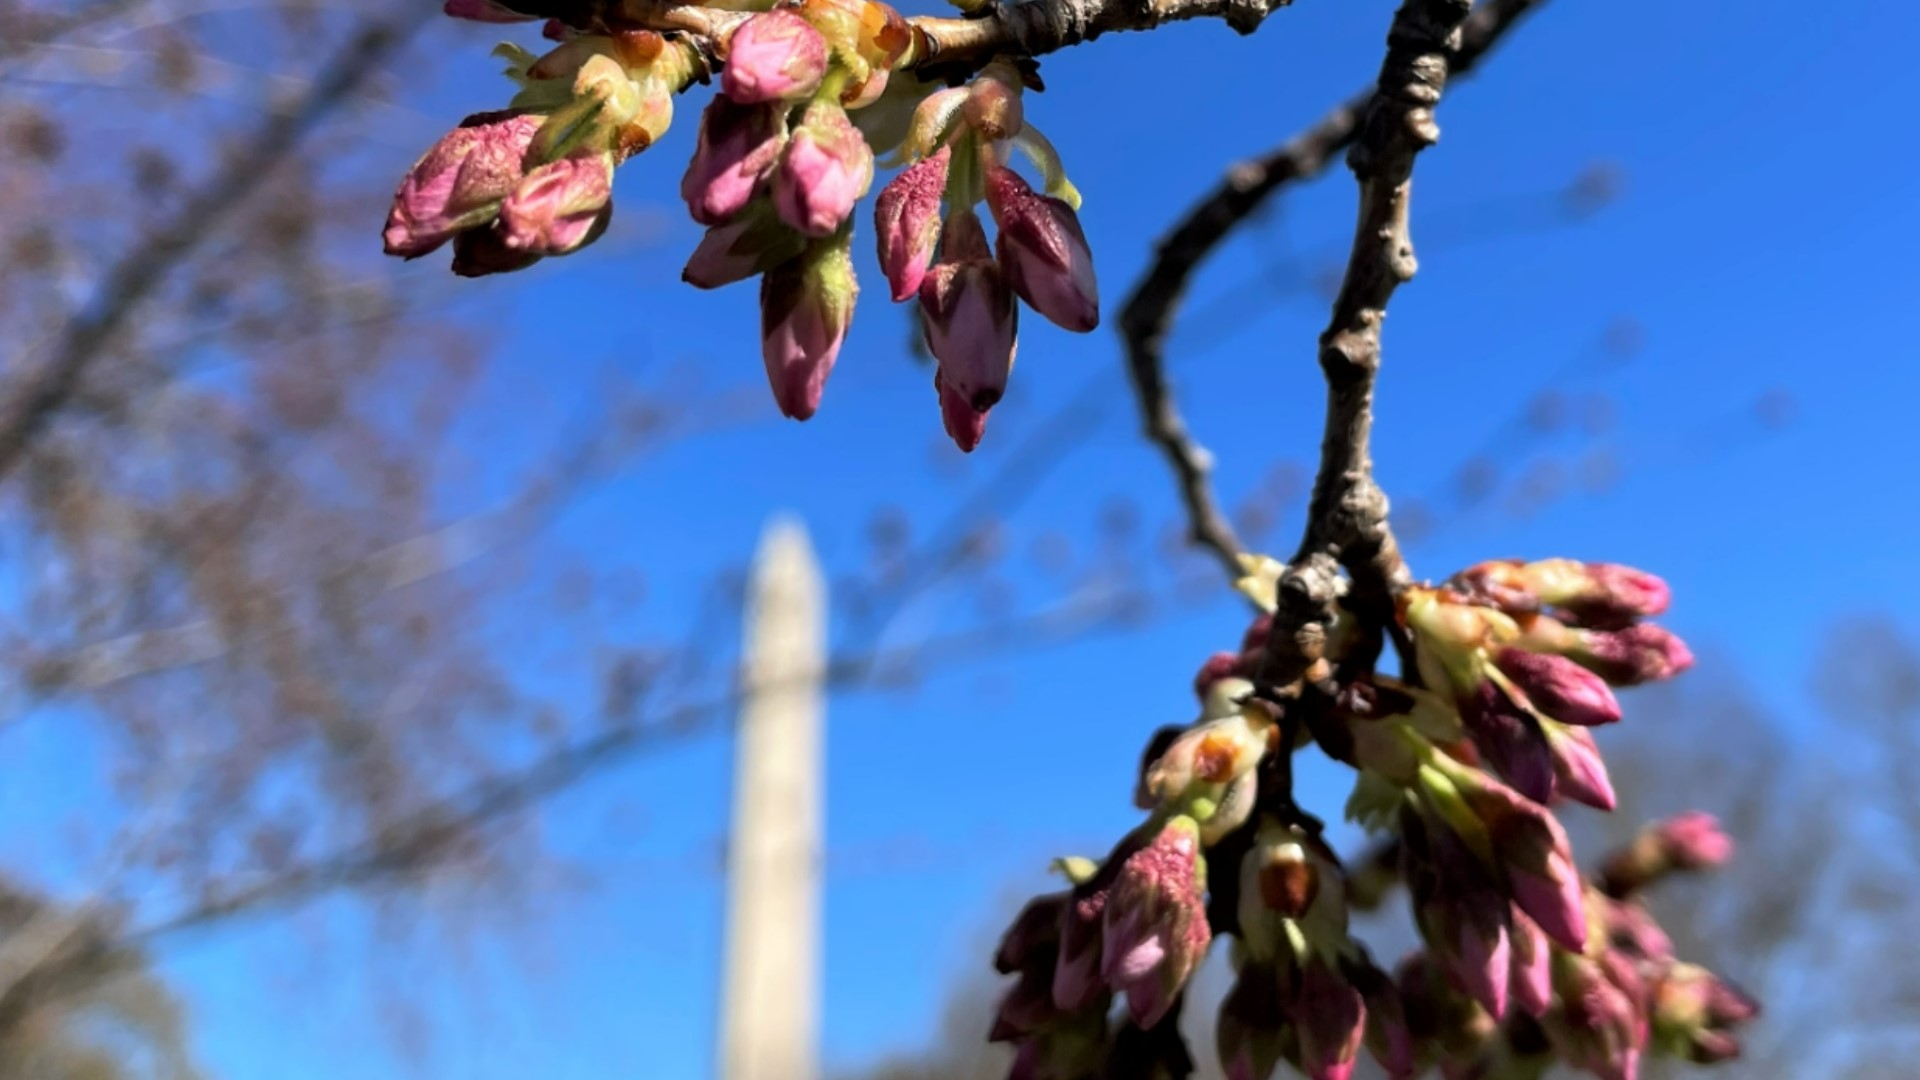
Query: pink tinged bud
<point x="1694" y="841"/>
<point x="1509" y="739"/>
<point x="1532" y="981"/>
<point x="968" y="317"/>
<point x="1252" y="1034"/>
<point x="1034" y="935"/>
<point x="560" y="207"/>
<point x="459" y="183"/>
<point x="1559" y="688"/>
<point x="1331" y="1019"/>
<point x="1044" y="252"/>
<point x="1638" y="654"/>
<point x="964" y="424"/>
<point x="737" y="149"/>
<point x="1579" y="771"/>
<point x="754" y="242"/>
<point x="1537" y="861"/>
<point x="479" y="252"/>
<point x="1076" y="973"/>
<point x="1460" y="913"/>
<point x="1154" y="928"/>
<point x="806" y="306"/>
<point x="1480" y="960"/>
<point x="1633" y="930"/>
<point x="774" y="56"/>
<point x="1599" y="1027"/>
<point x="906" y="220"/>
<point x="827" y="167"/>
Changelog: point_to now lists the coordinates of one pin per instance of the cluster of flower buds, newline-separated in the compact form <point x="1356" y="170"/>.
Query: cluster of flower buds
<point x="1525" y="962"/>
<point x="785" y="151"/>
<point x="512" y="187"/>
<point x="776" y="174"/>
<point x="1135" y="925"/>
<point x="1304" y="990"/>
<point x="932" y="245"/>
<point x="1528" y="653"/>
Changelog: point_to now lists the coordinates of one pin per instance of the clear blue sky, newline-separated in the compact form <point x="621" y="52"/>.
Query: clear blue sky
<point x="1761" y="240"/>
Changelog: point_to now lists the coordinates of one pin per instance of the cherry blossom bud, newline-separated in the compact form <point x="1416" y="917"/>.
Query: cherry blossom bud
<point x="1077" y="983"/>
<point x="1044" y="252"/>
<point x="1460" y="912"/>
<point x="1154" y="927"/>
<point x="827" y="167"/>
<point x="774" y="56"/>
<point x="753" y="242"/>
<point x="1536" y="860"/>
<point x="486" y="11"/>
<point x="1034" y="936"/>
<point x="1532" y="973"/>
<point x="967" y="315"/>
<point x="479" y="252"/>
<point x="1638" y="654"/>
<point x="1510" y="739"/>
<point x="1632" y="929"/>
<point x="906" y="220"/>
<point x="1605" y="594"/>
<point x="1559" y="688"/>
<point x="560" y="206"/>
<point x="737" y="150"/>
<point x="806" y="306"/>
<point x="964" y="424"/>
<point x="1331" y="1020"/>
<point x="1690" y="841"/>
<point x="1694" y="1014"/>
<point x="1599" y="1027"/>
<point x="1694" y="841"/>
<point x="460" y="183"/>
<point x="1579" y="772"/>
<point x="1252" y="1033"/>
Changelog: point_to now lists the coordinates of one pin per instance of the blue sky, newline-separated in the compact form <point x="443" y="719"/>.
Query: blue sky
<point x="1760" y="240"/>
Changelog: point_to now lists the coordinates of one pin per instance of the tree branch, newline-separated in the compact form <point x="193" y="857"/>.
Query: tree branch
<point x="1035" y="27"/>
<point x="1147" y="317"/>
<point x="144" y="269"/>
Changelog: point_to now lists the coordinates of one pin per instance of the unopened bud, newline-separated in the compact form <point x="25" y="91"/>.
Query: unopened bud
<point x="967" y="314"/>
<point x="774" y="56"/>
<point x="560" y="206"/>
<point x="1559" y="688"/>
<point x="826" y="168"/>
<point x="1637" y="654"/>
<point x="737" y="150"/>
<point x="753" y="242"/>
<point x="806" y="306"/>
<point x="906" y="220"/>
<point x="1044" y="252"/>
<point x="460" y="183"/>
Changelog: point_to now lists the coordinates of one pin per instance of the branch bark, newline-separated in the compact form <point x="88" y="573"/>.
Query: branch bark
<point x="1146" y="319"/>
<point x="134" y="279"/>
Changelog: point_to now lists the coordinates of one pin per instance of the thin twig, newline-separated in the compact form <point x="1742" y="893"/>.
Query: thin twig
<point x="1146" y="319"/>
<point x="132" y="281"/>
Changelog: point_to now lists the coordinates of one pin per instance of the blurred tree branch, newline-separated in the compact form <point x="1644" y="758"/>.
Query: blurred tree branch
<point x="144" y="268"/>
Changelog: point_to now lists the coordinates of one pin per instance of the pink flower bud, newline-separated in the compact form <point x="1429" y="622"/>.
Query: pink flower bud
<point x="1253" y="1029"/>
<point x="1532" y="975"/>
<point x="1460" y="913"/>
<point x="1044" y="252"/>
<point x="1637" y="654"/>
<point x="1077" y="983"/>
<point x="753" y="242"/>
<point x="1579" y="771"/>
<point x="774" y="56"/>
<point x="967" y="314"/>
<point x="1594" y="594"/>
<point x="1331" y="1020"/>
<point x="1693" y="1008"/>
<point x="1694" y="841"/>
<point x="486" y="11"/>
<point x="479" y="252"/>
<point x="806" y="306"/>
<point x="1154" y="929"/>
<point x="460" y="183"/>
<point x="737" y="149"/>
<point x="1633" y="930"/>
<point x="1600" y="1027"/>
<point x="964" y="424"/>
<point x="1559" y="688"/>
<point x="1034" y="935"/>
<point x="827" y="167"/>
<point x="560" y="206"/>
<point x="1509" y="739"/>
<point x="906" y="220"/>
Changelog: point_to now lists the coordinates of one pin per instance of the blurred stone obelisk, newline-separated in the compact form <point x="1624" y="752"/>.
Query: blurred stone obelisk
<point x="768" y="1004"/>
